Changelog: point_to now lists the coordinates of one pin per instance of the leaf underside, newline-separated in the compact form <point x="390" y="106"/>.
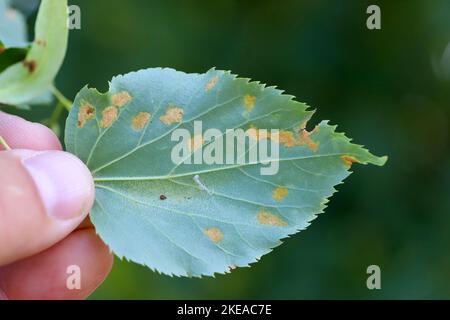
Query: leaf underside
<point x="194" y="220"/>
<point x="13" y="28"/>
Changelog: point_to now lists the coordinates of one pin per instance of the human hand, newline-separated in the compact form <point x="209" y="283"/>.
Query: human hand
<point x="45" y="197"/>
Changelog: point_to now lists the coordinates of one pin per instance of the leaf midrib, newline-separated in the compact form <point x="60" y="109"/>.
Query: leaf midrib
<point x="117" y="178"/>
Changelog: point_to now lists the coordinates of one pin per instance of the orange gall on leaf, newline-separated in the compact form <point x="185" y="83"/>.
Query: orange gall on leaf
<point x="305" y="140"/>
<point x="173" y="115"/>
<point x="109" y="116"/>
<point x="285" y="138"/>
<point x="214" y="234"/>
<point x="140" y="120"/>
<point x="348" y="161"/>
<point x="86" y="112"/>
<point x="249" y="103"/>
<point x="120" y="99"/>
<point x="270" y="219"/>
<point x="279" y="193"/>
<point x="211" y="83"/>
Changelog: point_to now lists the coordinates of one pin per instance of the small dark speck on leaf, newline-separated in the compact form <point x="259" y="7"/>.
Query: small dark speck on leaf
<point x="30" y="65"/>
<point x="41" y="43"/>
<point x="162" y="197"/>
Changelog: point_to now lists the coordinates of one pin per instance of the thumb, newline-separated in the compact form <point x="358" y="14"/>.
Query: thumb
<point x="44" y="195"/>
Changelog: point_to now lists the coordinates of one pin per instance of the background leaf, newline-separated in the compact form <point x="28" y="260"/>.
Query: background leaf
<point x="24" y="81"/>
<point x="10" y="56"/>
<point x="158" y="214"/>
<point x="13" y="27"/>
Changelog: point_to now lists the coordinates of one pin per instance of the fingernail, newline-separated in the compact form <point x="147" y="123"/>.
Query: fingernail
<point x="64" y="183"/>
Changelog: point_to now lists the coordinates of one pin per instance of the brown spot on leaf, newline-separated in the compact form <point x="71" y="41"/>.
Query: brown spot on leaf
<point x="211" y="83"/>
<point x="30" y="65"/>
<point x="140" y="120"/>
<point x="270" y="219"/>
<point x="109" y="115"/>
<point x="162" y="197"/>
<point x="2" y="50"/>
<point x="173" y="115"/>
<point x="214" y="234"/>
<point x="348" y="161"/>
<point x="41" y="43"/>
<point x="249" y="103"/>
<point x="86" y="112"/>
<point x="279" y="193"/>
<point x="121" y="98"/>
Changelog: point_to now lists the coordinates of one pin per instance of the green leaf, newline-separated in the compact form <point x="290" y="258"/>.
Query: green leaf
<point x="26" y="80"/>
<point x="193" y="220"/>
<point x="13" y="27"/>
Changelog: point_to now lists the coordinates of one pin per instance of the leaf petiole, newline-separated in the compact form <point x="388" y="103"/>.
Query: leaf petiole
<point x="61" y="98"/>
<point x="55" y="115"/>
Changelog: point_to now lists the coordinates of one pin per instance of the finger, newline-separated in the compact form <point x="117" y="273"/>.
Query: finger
<point x="43" y="197"/>
<point x="22" y="134"/>
<point x="53" y="274"/>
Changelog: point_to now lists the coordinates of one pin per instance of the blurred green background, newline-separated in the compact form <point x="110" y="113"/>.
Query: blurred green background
<point x="388" y="89"/>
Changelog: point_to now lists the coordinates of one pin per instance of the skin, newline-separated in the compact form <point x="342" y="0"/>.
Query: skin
<point x="37" y="244"/>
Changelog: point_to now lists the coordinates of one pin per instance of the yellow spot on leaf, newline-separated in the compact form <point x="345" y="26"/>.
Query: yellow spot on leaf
<point x="211" y="83"/>
<point x="173" y="115"/>
<point x="348" y="160"/>
<point x="85" y="112"/>
<point x="279" y="193"/>
<point x="109" y="115"/>
<point x="249" y="103"/>
<point x="305" y="140"/>
<point x="214" y="234"/>
<point x="287" y="138"/>
<point x="140" y="120"/>
<point x="120" y="99"/>
<point x="270" y="219"/>
<point x="195" y="143"/>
